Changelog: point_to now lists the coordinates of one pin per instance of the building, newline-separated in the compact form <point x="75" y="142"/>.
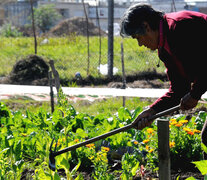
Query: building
<point x="2" y="15"/>
<point x="18" y="12"/>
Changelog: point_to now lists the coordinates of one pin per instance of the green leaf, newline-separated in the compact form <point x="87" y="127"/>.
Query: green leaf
<point x="19" y="163"/>
<point x="56" y="176"/>
<point x="204" y="147"/>
<point x="134" y="169"/>
<point x="81" y="133"/>
<point x="79" y="177"/>
<point x="124" y="176"/>
<point x="202" y="166"/>
<point x="76" y="168"/>
<point x="4" y="150"/>
<point x="18" y="150"/>
<point x="39" y="146"/>
<point x="44" y="175"/>
<point x="190" y="178"/>
<point x="124" y="114"/>
<point x="136" y="112"/>
<point x="65" y="164"/>
<point x="202" y="115"/>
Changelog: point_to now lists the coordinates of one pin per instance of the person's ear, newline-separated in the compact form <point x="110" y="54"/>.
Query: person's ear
<point x="147" y="27"/>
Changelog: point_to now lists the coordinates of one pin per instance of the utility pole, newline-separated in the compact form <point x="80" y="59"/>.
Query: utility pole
<point x="110" y="37"/>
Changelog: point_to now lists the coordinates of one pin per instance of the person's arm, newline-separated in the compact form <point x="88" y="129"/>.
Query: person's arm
<point x="188" y="102"/>
<point x="179" y="87"/>
<point x="141" y="121"/>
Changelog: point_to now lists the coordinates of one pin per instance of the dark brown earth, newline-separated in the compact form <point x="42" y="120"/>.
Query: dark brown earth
<point x="32" y="70"/>
<point x="76" y="26"/>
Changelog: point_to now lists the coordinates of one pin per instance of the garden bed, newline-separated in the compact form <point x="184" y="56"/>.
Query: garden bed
<point x="127" y="154"/>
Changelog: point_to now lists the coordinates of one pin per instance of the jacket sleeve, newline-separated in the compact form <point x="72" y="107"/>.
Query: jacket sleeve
<point x="179" y="86"/>
<point x="199" y="86"/>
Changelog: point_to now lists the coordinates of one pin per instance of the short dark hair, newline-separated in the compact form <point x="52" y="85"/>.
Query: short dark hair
<point x="133" y="20"/>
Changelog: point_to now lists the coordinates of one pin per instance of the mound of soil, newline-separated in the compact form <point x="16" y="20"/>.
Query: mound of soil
<point x="32" y="70"/>
<point x="76" y="26"/>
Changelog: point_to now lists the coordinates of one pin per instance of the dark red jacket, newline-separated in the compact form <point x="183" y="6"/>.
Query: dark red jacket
<point x="183" y="49"/>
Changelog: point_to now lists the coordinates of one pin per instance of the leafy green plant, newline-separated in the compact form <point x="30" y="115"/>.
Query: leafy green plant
<point x="100" y="162"/>
<point x="185" y="142"/>
<point x="7" y="30"/>
<point x="130" y="166"/>
<point x="45" y="17"/>
<point x="201" y="165"/>
<point x="25" y="140"/>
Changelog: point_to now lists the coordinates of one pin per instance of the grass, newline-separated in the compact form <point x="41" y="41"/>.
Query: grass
<point x="108" y="106"/>
<point x="70" y="54"/>
<point x="22" y="105"/>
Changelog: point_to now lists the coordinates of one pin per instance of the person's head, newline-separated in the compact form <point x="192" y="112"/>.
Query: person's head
<point x="141" y="21"/>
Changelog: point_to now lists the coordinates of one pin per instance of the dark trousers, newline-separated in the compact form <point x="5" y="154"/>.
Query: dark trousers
<point x="204" y="138"/>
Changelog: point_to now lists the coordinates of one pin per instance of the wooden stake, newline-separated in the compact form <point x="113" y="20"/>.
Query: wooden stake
<point x="51" y="91"/>
<point x="56" y="76"/>
<point x="163" y="149"/>
<point x="123" y="72"/>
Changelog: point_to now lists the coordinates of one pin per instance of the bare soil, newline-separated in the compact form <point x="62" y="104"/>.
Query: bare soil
<point x="76" y="26"/>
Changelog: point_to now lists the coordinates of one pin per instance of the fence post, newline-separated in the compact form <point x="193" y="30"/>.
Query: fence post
<point x="51" y="91"/>
<point x="110" y="37"/>
<point x="163" y="149"/>
<point x="123" y="72"/>
<point x="56" y="76"/>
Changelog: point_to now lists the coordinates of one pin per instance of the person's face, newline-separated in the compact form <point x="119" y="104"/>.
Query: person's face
<point x="149" y="39"/>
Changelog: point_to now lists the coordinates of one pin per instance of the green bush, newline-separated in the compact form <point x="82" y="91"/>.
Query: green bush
<point x="7" y="30"/>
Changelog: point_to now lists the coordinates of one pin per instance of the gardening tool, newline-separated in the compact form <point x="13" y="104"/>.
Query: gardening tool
<point x="55" y="153"/>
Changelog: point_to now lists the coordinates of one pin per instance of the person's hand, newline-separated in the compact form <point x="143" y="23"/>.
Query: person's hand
<point x="187" y="102"/>
<point x="142" y="120"/>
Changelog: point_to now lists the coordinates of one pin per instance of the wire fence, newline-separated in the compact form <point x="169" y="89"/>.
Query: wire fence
<point x="72" y="57"/>
<point x="74" y="53"/>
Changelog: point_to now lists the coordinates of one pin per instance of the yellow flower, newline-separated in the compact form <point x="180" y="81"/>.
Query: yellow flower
<point x="91" y="157"/>
<point x="183" y="121"/>
<point x="173" y="122"/>
<point x="150" y="130"/>
<point x="136" y="142"/>
<point x="90" y="145"/>
<point x="147" y="147"/>
<point x="76" y="140"/>
<point x="151" y="150"/>
<point x="191" y="133"/>
<point x="105" y="149"/>
<point x="172" y="144"/>
<point x="196" y="131"/>
<point x="187" y="129"/>
<point x="146" y="141"/>
<point x="57" y="144"/>
<point x="178" y="125"/>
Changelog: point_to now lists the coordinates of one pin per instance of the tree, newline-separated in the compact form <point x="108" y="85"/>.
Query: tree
<point x="45" y="17"/>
